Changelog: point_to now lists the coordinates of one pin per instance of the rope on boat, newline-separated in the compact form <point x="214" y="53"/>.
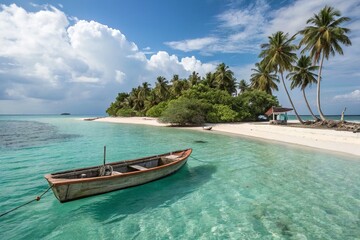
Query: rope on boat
<point x="36" y="199"/>
<point x="105" y="170"/>
<point x="197" y="159"/>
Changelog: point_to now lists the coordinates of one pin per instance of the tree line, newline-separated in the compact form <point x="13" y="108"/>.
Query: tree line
<point x="195" y="100"/>
<point x="218" y="97"/>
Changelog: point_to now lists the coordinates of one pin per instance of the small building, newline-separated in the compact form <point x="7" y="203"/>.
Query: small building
<point x="279" y="114"/>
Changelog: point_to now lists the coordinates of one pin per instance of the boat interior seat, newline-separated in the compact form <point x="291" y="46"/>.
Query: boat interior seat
<point x="171" y="157"/>
<point x="116" y="173"/>
<point x="138" y="167"/>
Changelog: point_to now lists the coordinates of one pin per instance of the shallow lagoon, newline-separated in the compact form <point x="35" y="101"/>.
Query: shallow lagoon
<point x="231" y="187"/>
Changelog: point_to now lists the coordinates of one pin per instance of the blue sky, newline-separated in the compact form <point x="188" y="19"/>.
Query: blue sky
<point x="75" y="56"/>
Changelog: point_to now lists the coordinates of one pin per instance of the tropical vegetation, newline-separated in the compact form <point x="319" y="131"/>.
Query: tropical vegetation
<point x="303" y="76"/>
<point x="195" y="100"/>
<point x="218" y="97"/>
<point x="278" y="56"/>
<point x="323" y="39"/>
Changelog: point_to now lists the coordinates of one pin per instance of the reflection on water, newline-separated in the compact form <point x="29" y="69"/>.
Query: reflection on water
<point x="160" y="193"/>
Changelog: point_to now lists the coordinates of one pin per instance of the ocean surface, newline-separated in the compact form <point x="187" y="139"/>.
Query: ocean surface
<point x="231" y="188"/>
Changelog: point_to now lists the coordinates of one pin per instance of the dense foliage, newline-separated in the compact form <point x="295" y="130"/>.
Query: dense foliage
<point x="184" y="111"/>
<point x="195" y="100"/>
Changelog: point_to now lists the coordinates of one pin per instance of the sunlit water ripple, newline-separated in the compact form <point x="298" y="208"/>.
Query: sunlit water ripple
<point x="232" y="188"/>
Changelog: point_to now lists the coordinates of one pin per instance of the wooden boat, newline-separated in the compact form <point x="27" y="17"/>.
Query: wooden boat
<point x="85" y="182"/>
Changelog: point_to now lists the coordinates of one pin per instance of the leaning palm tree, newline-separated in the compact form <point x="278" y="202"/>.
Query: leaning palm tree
<point x="278" y="55"/>
<point x="302" y="76"/>
<point x="323" y="38"/>
<point x="263" y="80"/>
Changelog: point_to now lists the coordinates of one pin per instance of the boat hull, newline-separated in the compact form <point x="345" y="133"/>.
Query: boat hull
<point x="68" y="190"/>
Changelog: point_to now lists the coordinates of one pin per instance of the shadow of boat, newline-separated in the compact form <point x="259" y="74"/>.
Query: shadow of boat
<point x="118" y="205"/>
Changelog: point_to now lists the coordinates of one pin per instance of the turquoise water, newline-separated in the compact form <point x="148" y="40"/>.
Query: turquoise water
<point x="232" y="188"/>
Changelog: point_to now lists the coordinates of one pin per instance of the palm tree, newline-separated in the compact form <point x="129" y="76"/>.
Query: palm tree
<point x="323" y="38"/>
<point x="121" y="100"/>
<point x="263" y="80"/>
<point x="302" y="76"/>
<point x="278" y="56"/>
<point x="135" y="100"/>
<point x="162" y="88"/>
<point x="194" y="78"/>
<point x="209" y="80"/>
<point x="225" y="79"/>
<point x="145" y="90"/>
<point x="146" y="87"/>
<point x="243" y="86"/>
<point x="142" y="96"/>
<point x="151" y="100"/>
<point x="177" y="86"/>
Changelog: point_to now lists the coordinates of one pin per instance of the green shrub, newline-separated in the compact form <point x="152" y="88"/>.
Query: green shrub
<point x="184" y="111"/>
<point x="157" y="110"/>
<point x="221" y="113"/>
<point x="251" y="104"/>
<point x="126" y="112"/>
<point x="210" y="95"/>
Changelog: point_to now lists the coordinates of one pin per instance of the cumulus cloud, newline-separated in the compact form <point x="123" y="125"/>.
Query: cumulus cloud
<point x="45" y="57"/>
<point x="353" y="96"/>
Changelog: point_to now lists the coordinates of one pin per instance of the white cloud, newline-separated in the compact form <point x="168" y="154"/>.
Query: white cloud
<point x="191" y="64"/>
<point x="119" y="76"/>
<point x="239" y="31"/>
<point x="353" y="96"/>
<point x="192" y="44"/>
<point x="48" y="61"/>
<point x="293" y="17"/>
<point x="168" y="65"/>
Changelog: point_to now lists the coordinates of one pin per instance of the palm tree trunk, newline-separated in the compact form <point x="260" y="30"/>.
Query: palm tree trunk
<point x="307" y="104"/>
<point x="318" y="89"/>
<point x="297" y="115"/>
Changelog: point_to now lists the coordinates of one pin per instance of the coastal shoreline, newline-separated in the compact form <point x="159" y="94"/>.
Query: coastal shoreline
<point x="345" y="142"/>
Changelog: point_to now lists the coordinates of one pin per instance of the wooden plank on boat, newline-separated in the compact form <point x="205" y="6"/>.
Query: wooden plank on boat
<point x="138" y="167"/>
<point x="171" y="157"/>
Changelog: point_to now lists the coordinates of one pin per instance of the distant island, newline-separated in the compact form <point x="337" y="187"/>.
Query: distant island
<point x="65" y="114"/>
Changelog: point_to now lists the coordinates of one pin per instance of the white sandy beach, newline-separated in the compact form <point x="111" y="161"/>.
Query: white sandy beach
<point x="329" y="140"/>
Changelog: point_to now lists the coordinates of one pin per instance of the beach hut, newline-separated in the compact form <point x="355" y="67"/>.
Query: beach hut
<point x="279" y="114"/>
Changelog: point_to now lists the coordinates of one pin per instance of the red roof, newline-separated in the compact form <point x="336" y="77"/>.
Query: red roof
<point x="277" y="110"/>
